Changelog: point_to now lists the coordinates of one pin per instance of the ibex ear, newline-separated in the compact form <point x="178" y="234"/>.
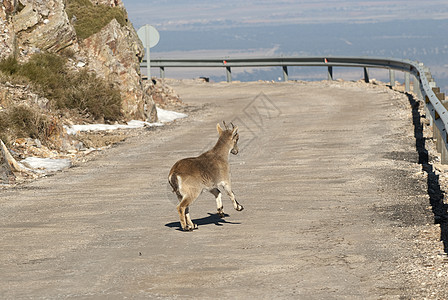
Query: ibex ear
<point x="218" y="127"/>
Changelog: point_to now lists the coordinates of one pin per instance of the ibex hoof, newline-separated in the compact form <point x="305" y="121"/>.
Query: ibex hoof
<point x="189" y="228"/>
<point x="221" y="213"/>
<point x="239" y="208"/>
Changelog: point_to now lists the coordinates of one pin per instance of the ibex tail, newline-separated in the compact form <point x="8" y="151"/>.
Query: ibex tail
<point x="175" y="185"/>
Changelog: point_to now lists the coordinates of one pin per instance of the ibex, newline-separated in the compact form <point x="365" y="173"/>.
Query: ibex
<point x="189" y="177"/>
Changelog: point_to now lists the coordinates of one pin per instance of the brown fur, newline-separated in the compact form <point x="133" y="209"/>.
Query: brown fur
<point x="209" y="171"/>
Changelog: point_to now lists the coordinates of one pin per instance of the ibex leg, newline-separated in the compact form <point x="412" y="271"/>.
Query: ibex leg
<point x="218" y="197"/>
<point x="181" y="211"/>
<point x="191" y="225"/>
<point x="228" y="189"/>
<point x="184" y="215"/>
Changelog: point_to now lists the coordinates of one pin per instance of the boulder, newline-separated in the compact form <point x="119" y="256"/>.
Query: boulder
<point x="43" y="26"/>
<point x="162" y="94"/>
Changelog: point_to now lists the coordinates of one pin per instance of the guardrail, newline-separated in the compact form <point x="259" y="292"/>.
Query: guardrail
<point x="424" y="85"/>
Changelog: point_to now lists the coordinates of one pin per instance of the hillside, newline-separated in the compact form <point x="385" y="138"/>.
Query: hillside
<point x="64" y="62"/>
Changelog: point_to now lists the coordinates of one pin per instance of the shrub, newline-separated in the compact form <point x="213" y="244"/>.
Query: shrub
<point x="20" y="121"/>
<point x="4" y="127"/>
<point x="90" y="18"/>
<point x="9" y="65"/>
<point x="89" y="94"/>
<point x="80" y="91"/>
<point x="27" y="122"/>
<point x="47" y="71"/>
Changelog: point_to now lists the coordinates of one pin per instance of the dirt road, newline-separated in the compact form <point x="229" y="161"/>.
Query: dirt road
<point x="336" y="206"/>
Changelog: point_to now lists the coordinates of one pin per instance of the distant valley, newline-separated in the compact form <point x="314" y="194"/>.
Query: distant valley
<point x="399" y="29"/>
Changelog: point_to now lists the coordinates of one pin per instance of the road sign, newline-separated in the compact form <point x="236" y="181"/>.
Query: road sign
<point x="149" y="37"/>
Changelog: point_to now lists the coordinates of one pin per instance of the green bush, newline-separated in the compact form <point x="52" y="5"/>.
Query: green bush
<point x="47" y="71"/>
<point x="90" y="18"/>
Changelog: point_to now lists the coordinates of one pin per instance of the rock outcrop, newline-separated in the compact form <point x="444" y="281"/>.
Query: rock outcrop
<point x="163" y="94"/>
<point x="113" y="53"/>
<point x="7" y="35"/>
<point x="42" y="25"/>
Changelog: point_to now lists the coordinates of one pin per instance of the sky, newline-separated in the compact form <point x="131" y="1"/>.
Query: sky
<point x="188" y="14"/>
<point x="404" y="29"/>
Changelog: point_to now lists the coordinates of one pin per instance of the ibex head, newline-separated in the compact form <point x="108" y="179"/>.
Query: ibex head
<point x="229" y="136"/>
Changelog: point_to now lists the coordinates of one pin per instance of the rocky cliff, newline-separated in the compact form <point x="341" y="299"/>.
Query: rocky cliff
<point x="94" y="38"/>
<point x="112" y="52"/>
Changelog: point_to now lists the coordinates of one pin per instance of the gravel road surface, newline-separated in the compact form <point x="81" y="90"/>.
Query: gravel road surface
<point x="336" y="206"/>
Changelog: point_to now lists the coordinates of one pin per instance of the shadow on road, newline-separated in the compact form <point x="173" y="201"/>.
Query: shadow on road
<point x="435" y="193"/>
<point x="211" y="219"/>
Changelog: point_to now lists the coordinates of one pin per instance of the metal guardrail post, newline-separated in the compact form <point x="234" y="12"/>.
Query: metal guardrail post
<point x="440" y="95"/>
<point x="366" y="75"/>
<point x="438" y="139"/>
<point x="229" y="74"/>
<point x="162" y="72"/>
<point x="392" y="77"/>
<point x="285" y="73"/>
<point x="330" y="73"/>
<point x="407" y="86"/>
<point x="444" y="156"/>
<point x="417" y="90"/>
<point x="427" y="112"/>
<point x="437" y="135"/>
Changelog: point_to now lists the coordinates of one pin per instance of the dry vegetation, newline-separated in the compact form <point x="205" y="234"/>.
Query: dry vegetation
<point x="88" y="19"/>
<point x="69" y="92"/>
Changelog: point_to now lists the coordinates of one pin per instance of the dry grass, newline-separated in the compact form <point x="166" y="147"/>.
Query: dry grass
<point x="81" y="93"/>
<point x="23" y="121"/>
<point x="90" y="18"/>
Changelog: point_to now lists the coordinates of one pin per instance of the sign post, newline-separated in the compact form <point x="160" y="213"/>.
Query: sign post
<point x="149" y="37"/>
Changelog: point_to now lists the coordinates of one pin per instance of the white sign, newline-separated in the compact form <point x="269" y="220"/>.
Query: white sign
<point x="149" y="37"/>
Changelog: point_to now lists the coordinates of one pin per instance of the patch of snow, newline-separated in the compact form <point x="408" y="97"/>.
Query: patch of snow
<point x="165" y="116"/>
<point x="101" y="127"/>
<point x="48" y="165"/>
<point x="44" y="165"/>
